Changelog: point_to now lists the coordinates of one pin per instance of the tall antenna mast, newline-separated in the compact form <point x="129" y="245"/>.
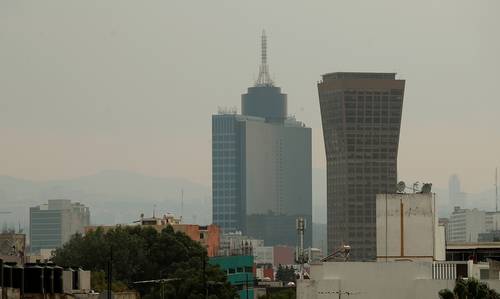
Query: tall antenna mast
<point x="182" y="203"/>
<point x="496" y="189"/>
<point x="264" y="78"/>
<point x="300" y="223"/>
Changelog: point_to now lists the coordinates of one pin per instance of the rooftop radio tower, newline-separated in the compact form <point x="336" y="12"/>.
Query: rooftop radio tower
<point x="300" y="223"/>
<point x="496" y="189"/>
<point x="264" y="78"/>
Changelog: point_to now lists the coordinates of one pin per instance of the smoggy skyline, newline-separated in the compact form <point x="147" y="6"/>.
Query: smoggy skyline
<point x="88" y="86"/>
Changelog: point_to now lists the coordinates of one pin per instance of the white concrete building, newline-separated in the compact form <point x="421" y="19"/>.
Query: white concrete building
<point x="264" y="255"/>
<point x="492" y="221"/>
<point x="466" y="224"/>
<point x="384" y="280"/>
<point x="235" y="243"/>
<point x="314" y="254"/>
<point x="407" y="227"/>
<point x="410" y="263"/>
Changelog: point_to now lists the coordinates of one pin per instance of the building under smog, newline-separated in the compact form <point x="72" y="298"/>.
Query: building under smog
<point x="53" y="224"/>
<point x="361" y="117"/>
<point x="261" y="166"/>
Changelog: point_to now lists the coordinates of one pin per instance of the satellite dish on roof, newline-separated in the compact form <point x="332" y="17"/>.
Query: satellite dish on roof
<point x="401" y="187"/>
<point x="426" y="188"/>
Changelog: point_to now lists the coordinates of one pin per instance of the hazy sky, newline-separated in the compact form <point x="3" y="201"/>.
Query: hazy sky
<point x="93" y="85"/>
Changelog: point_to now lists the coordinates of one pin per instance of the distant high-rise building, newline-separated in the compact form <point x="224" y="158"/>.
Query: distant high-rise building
<point x="472" y="225"/>
<point x="453" y="185"/>
<point x="457" y="197"/>
<point x="261" y="166"/>
<point x="465" y="225"/>
<point x="53" y="224"/>
<point x="361" y="116"/>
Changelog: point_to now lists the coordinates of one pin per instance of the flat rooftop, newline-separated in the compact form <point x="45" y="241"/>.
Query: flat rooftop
<point x="358" y="75"/>
<point x="478" y="245"/>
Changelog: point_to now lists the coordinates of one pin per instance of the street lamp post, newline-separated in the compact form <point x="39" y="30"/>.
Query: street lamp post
<point x="161" y="281"/>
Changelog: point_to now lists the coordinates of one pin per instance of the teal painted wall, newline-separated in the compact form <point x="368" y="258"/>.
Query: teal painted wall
<point x="239" y="270"/>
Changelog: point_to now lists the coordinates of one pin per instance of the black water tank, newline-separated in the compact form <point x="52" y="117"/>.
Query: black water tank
<point x="76" y="278"/>
<point x="33" y="278"/>
<point x="48" y="279"/>
<point x="1" y="273"/>
<point x="18" y="278"/>
<point x="7" y="276"/>
<point x="58" y="280"/>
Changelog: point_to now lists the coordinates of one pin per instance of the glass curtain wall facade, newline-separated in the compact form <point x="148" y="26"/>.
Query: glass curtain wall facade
<point x="361" y="117"/>
<point x="261" y="177"/>
<point x="227" y="207"/>
<point x="45" y="229"/>
<point x="53" y="224"/>
<point x="261" y="165"/>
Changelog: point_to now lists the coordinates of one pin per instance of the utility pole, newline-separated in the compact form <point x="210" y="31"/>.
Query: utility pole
<point x="496" y="198"/>
<point x="205" y="286"/>
<point x="496" y="189"/>
<point x="246" y="282"/>
<point x="162" y="282"/>
<point x="110" y="272"/>
<point x="182" y="203"/>
<point x="300" y="223"/>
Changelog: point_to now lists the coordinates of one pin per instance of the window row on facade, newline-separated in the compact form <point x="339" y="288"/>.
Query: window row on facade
<point x="224" y="138"/>
<point x="223" y="179"/>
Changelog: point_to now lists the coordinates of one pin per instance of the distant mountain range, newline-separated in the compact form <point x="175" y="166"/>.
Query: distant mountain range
<point x="113" y="197"/>
<point x="121" y="196"/>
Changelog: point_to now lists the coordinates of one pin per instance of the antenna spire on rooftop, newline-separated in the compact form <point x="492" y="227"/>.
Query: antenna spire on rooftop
<point x="264" y="78"/>
<point x="496" y="189"/>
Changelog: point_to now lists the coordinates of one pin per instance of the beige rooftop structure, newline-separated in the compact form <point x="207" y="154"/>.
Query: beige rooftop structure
<point x="407" y="228"/>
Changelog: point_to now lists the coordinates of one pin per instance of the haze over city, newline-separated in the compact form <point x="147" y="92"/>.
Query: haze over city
<point x="90" y="86"/>
<point x="251" y="150"/>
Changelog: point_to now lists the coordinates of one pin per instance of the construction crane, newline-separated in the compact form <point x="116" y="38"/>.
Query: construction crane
<point x="5" y="212"/>
<point x="343" y="252"/>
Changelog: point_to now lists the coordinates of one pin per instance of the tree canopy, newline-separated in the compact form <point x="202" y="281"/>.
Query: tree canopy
<point x="285" y="274"/>
<point x="141" y="253"/>
<point x="469" y="288"/>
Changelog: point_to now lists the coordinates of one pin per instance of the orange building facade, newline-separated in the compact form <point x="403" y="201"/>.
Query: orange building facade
<point x="207" y="235"/>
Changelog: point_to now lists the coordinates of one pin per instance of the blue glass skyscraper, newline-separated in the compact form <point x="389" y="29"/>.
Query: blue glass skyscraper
<point x="261" y="165"/>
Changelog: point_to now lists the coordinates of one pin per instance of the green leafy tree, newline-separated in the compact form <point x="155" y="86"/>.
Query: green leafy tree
<point x="460" y="289"/>
<point x="469" y="288"/>
<point x="446" y="294"/>
<point x="98" y="283"/>
<point x="141" y="253"/>
<point x="285" y="274"/>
